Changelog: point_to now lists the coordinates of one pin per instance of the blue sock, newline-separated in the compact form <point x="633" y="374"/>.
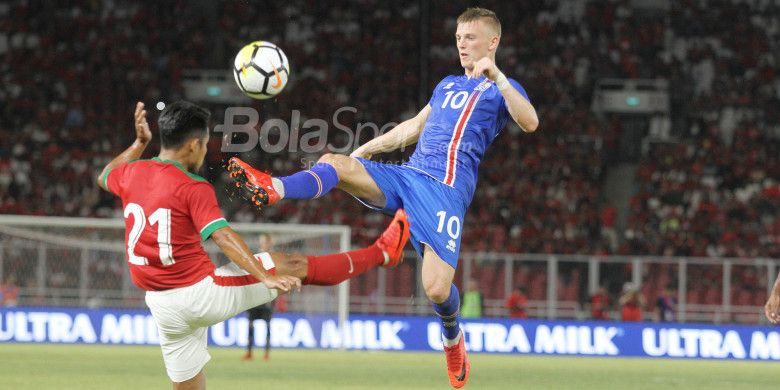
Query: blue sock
<point x="310" y="184"/>
<point x="448" y="314"/>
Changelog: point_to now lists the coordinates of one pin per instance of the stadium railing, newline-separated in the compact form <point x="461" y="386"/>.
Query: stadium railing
<point x="81" y="262"/>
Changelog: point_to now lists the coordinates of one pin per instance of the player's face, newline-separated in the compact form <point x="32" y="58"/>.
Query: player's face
<point x="474" y="41"/>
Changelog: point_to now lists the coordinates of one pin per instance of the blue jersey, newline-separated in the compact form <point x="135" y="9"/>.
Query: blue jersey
<point x="466" y="116"/>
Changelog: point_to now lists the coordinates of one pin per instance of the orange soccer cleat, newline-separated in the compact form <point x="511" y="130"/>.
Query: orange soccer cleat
<point x="394" y="238"/>
<point x="458" y="366"/>
<point x="255" y="186"/>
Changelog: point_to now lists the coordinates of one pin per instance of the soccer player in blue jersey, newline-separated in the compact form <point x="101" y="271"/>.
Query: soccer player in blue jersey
<point x="463" y="117"/>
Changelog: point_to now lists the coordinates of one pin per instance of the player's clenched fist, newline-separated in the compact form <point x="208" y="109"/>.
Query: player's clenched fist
<point x="283" y="283"/>
<point x="486" y="67"/>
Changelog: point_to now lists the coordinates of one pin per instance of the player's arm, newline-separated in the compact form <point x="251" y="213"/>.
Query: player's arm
<point x="772" y="307"/>
<point x="234" y="247"/>
<point x="142" y="138"/>
<point x="521" y="110"/>
<point x="406" y="133"/>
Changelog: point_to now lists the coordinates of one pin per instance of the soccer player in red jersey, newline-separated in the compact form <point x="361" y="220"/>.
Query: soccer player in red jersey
<point x="169" y="210"/>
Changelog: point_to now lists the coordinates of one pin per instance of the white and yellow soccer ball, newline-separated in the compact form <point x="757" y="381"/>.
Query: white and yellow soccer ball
<point x="261" y="70"/>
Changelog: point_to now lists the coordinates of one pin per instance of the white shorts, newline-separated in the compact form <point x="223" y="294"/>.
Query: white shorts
<point x="184" y="314"/>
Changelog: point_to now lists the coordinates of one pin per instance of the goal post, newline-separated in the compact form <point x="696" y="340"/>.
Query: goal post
<point x="62" y="261"/>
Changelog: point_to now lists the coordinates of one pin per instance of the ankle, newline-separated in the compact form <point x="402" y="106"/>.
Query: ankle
<point x="452" y="342"/>
<point x="278" y="186"/>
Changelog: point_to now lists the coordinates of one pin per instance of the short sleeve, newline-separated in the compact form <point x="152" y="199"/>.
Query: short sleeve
<point x="204" y="210"/>
<point x="112" y="179"/>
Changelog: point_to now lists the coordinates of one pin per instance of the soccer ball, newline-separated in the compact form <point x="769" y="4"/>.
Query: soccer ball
<point x="261" y="70"/>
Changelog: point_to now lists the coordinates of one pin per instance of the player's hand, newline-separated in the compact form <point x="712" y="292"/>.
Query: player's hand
<point x="486" y="67"/>
<point x="772" y="307"/>
<point x="142" y="132"/>
<point x="362" y="152"/>
<point x="283" y="283"/>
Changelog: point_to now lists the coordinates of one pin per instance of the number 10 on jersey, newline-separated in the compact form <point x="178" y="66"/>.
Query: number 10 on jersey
<point x="453" y="224"/>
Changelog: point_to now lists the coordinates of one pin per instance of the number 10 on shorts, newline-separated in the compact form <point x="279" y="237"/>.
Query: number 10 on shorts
<point x="453" y="224"/>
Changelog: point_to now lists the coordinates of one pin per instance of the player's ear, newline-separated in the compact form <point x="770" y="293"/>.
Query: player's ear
<point x="494" y="42"/>
<point x="193" y="144"/>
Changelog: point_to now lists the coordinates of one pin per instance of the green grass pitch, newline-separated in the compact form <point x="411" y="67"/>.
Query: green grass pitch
<point x="28" y="366"/>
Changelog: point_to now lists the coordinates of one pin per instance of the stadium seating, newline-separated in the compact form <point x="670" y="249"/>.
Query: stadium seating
<point x="537" y="193"/>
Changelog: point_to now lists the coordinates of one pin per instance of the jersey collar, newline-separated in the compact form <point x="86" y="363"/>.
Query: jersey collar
<point x="177" y="165"/>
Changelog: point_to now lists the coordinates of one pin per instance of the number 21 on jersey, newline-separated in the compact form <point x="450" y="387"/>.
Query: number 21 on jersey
<point x="160" y="217"/>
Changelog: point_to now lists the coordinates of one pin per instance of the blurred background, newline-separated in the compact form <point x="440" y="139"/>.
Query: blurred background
<point x="650" y="188"/>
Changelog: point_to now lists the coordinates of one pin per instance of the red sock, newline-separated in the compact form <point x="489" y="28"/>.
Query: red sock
<point x="333" y="269"/>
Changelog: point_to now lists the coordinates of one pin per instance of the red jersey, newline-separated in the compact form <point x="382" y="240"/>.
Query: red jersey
<point x="516" y="304"/>
<point x="168" y="211"/>
<point x="599" y="304"/>
<point x="631" y="312"/>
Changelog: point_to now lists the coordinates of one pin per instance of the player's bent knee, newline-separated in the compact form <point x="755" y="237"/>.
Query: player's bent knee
<point x="341" y="163"/>
<point x="333" y="159"/>
<point x="437" y="292"/>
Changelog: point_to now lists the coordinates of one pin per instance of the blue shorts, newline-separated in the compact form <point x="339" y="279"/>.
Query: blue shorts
<point x="435" y="209"/>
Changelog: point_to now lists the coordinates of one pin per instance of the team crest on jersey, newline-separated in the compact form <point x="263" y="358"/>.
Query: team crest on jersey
<point x="449" y="85"/>
<point x="484" y="85"/>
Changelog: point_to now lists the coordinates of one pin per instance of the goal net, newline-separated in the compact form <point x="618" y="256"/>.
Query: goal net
<point x="81" y="262"/>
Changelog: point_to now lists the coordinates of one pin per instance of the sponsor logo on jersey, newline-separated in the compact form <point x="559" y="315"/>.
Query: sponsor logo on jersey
<point x="451" y="245"/>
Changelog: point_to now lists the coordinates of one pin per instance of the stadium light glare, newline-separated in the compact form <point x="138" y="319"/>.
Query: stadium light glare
<point x="214" y="90"/>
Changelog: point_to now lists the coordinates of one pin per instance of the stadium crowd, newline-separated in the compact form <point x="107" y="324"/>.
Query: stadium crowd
<point x="72" y="70"/>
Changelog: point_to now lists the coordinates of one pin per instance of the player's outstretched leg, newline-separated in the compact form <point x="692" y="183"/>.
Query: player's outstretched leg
<point x="437" y="278"/>
<point x="332" y="170"/>
<point x="264" y="190"/>
<point x="328" y="270"/>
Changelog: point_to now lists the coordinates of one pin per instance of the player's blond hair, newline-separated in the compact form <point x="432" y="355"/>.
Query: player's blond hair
<point x="486" y="15"/>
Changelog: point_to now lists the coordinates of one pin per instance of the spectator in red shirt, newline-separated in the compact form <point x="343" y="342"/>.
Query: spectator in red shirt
<point x="9" y="292"/>
<point x="631" y="302"/>
<point x="599" y="303"/>
<point x="517" y="303"/>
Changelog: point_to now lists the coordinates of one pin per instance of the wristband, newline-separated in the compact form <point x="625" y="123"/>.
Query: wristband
<point x="502" y="82"/>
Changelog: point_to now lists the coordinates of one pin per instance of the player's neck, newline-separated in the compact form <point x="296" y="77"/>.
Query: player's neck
<point x="172" y="155"/>
<point x="467" y="71"/>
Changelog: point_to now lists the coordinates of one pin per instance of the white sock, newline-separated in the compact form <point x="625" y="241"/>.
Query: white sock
<point x="387" y="257"/>
<point x="278" y="186"/>
<point x="455" y="341"/>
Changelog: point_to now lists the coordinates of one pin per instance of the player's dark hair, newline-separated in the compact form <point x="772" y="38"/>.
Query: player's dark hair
<point x="477" y="13"/>
<point x="181" y="121"/>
